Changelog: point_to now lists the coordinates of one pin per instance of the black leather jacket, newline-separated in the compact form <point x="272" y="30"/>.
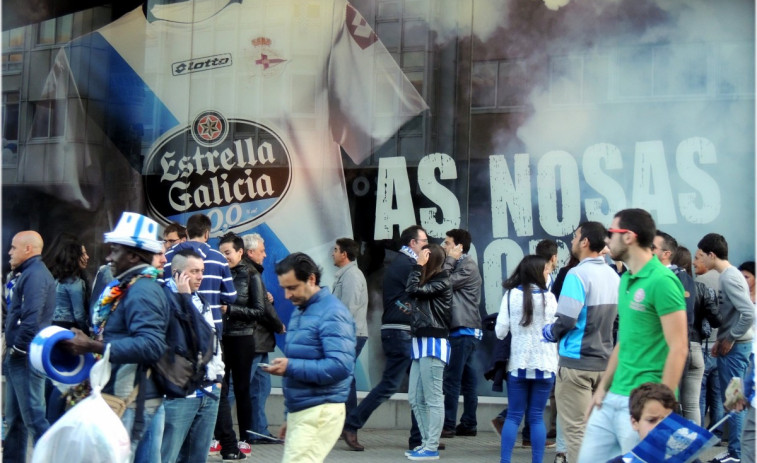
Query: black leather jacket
<point x="249" y="307"/>
<point x="432" y="304"/>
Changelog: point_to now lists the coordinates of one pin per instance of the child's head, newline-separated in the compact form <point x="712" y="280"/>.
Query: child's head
<point x="650" y="403"/>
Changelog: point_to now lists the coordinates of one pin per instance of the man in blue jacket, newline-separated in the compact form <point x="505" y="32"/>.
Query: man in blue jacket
<point x="32" y="302"/>
<point x="318" y="363"/>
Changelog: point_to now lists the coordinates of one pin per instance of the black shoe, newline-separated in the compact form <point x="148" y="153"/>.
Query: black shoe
<point x="448" y="433"/>
<point x="233" y="456"/>
<point x="461" y="430"/>
<point x="350" y="438"/>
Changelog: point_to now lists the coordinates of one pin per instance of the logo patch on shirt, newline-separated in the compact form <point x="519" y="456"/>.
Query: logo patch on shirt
<point x="233" y="170"/>
<point x="638" y="300"/>
<point x="267" y="61"/>
<point x="359" y="28"/>
<point x="205" y="63"/>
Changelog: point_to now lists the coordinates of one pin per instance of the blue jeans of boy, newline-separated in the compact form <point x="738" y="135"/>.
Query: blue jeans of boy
<point x="461" y="377"/>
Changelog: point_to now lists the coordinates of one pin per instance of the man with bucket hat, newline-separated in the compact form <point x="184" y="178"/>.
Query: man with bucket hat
<point x="130" y="316"/>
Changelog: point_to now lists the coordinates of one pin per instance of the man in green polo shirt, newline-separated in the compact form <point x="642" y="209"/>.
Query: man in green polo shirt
<point x="652" y="336"/>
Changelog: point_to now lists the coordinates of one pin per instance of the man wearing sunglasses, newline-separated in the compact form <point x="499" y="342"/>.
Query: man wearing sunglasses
<point x="652" y="336"/>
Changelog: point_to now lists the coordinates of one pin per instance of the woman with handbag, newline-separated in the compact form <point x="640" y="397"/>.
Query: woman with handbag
<point x="431" y="315"/>
<point x="526" y="307"/>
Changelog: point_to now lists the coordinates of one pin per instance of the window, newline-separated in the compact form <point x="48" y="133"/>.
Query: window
<point x="13" y="49"/>
<point x="49" y="118"/>
<point x="10" y="113"/>
<point x="55" y="31"/>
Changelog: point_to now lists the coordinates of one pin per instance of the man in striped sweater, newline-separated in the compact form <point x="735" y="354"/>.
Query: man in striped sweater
<point x="586" y="310"/>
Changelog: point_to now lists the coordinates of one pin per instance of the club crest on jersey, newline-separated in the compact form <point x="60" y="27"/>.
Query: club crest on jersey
<point x="235" y="171"/>
<point x="359" y="29"/>
<point x="205" y="63"/>
<point x="266" y="61"/>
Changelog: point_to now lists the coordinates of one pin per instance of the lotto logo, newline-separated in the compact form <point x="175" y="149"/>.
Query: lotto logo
<point x="201" y="64"/>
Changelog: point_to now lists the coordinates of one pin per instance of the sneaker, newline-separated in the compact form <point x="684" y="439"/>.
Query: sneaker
<point x="497" y="424"/>
<point x="244" y="447"/>
<point x="526" y="444"/>
<point x="561" y="458"/>
<point x="461" y="430"/>
<point x="409" y="452"/>
<point x="233" y="456"/>
<point x="215" y="447"/>
<point x="725" y="457"/>
<point x="423" y="454"/>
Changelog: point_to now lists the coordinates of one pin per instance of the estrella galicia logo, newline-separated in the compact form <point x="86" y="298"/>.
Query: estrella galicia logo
<point x="235" y="171"/>
<point x="205" y="63"/>
<point x="209" y="128"/>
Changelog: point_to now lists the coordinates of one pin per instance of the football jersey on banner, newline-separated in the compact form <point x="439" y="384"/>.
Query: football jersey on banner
<point x="239" y="110"/>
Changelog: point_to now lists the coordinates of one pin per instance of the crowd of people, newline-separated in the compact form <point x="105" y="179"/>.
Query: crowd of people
<point x="630" y="330"/>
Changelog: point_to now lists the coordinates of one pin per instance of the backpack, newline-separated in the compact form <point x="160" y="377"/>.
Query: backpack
<point x="191" y="344"/>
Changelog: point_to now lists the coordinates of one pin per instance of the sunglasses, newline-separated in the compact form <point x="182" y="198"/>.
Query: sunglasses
<point x="610" y="231"/>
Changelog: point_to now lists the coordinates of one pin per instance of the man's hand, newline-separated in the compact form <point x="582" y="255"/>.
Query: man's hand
<point x="721" y="347"/>
<point x="82" y="344"/>
<point x="455" y="251"/>
<point x="283" y="431"/>
<point x="270" y="297"/>
<point x="423" y="257"/>
<point x="278" y="366"/>
<point x="596" y="401"/>
<point x="182" y="283"/>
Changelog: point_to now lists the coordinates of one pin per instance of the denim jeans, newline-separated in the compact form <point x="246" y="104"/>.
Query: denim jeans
<point x="608" y="431"/>
<point x="25" y="408"/>
<point x="734" y="364"/>
<point x="427" y="399"/>
<point x="260" y="389"/>
<point x="189" y="428"/>
<point x="397" y="348"/>
<point x="526" y="397"/>
<point x="146" y="447"/>
<point x="709" y="397"/>
<point x="461" y="377"/>
<point x="352" y="398"/>
<point x="152" y="439"/>
<point x="691" y="383"/>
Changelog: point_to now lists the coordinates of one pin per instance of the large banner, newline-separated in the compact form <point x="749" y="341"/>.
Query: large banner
<point x="306" y="121"/>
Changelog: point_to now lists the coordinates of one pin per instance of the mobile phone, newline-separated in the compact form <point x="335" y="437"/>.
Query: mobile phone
<point x="263" y="365"/>
<point x="176" y="274"/>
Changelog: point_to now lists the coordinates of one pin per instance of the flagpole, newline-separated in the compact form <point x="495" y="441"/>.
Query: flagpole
<point x="723" y="420"/>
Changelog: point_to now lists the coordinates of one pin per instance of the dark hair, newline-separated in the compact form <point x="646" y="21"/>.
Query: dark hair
<point x="596" y="233"/>
<point x="650" y="391"/>
<point x="64" y="256"/>
<point x="410" y="233"/>
<point x="436" y="258"/>
<point x="682" y="259"/>
<point x="349" y="246"/>
<point x="234" y="239"/>
<point x="546" y="249"/>
<point x="641" y="223"/>
<point x="528" y="273"/>
<point x="177" y="228"/>
<point x="198" y="225"/>
<point x="714" y="243"/>
<point x="302" y="265"/>
<point x="748" y="266"/>
<point x="462" y="237"/>
<point x="670" y="243"/>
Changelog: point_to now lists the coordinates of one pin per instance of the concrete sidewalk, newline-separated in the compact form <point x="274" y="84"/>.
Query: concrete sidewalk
<point x="389" y="445"/>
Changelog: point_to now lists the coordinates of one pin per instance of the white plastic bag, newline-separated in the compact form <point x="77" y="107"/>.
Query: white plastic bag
<point x="90" y="431"/>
